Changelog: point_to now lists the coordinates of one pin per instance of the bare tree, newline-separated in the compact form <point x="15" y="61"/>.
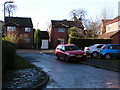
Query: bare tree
<point x="10" y="8"/>
<point x="91" y="28"/>
<point x="78" y="14"/>
<point x="107" y="13"/>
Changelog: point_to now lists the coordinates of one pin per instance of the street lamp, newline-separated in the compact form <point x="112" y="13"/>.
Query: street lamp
<point x="4" y="8"/>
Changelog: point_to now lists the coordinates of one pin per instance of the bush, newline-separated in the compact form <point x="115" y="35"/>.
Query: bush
<point x="8" y="55"/>
<point x="88" y="42"/>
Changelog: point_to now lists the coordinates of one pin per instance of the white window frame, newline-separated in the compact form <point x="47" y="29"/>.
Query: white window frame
<point x="11" y="28"/>
<point x="27" y="40"/>
<point x="61" y="30"/>
<point x="27" y="29"/>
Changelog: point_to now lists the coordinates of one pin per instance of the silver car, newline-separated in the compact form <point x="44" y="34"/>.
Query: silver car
<point x="93" y="50"/>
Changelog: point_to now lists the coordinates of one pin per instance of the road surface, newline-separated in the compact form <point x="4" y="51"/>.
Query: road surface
<point x="72" y="74"/>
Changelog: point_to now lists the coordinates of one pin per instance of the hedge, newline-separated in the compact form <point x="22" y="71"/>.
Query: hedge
<point x="88" y="42"/>
<point x="8" y="55"/>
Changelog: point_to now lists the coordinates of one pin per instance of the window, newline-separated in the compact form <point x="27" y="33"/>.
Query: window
<point x="70" y="48"/>
<point x="11" y="28"/>
<point x="112" y="47"/>
<point x="27" y="29"/>
<point x="118" y="47"/>
<point x="99" y="46"/>
<point x="63" y="48"/>
<point x="59" y="47"/>
<point x="27" y="40"/>
<point x="61" y="30"/>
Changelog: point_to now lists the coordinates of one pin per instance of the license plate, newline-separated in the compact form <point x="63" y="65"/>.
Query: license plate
<point x="79" y="56"/>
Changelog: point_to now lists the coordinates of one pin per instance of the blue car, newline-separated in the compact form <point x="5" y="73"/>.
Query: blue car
<point x="110" y="50"/>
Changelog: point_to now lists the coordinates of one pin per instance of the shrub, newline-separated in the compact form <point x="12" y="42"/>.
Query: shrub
<point x="88" y="42"/>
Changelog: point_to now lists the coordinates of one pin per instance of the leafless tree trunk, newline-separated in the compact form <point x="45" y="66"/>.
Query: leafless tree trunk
<point x="10" y="8"/>
<point x="91" y="28"/>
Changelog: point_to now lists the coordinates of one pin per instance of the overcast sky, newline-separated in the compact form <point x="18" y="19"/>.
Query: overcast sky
<point x="43" y="11"/>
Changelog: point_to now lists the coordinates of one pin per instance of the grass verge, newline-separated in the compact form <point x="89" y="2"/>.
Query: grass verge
<point x="112" y="60"/>
<point x="115" y="61"/>
<point x="22" y="63"/>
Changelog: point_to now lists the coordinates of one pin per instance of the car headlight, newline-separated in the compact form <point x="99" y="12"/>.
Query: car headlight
<point x="84" y="54"/>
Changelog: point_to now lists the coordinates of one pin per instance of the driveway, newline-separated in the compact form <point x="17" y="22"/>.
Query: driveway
<point x="72" y="74"/>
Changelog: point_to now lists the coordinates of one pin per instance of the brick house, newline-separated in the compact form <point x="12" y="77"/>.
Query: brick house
<point x="103" y="25"/>
<point x="20" y="26"/>
<point x="59" y="31"/>
<point x="112" y="30"/>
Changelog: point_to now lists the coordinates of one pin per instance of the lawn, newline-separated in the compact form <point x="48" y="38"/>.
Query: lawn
<point x="22" y="63"/>
<point x="113" y="60"/>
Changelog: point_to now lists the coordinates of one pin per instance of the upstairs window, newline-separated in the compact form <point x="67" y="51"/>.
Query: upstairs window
<point x="11" y="28"/>
<point x="61" y="30"/>
<point x="27" y="29"/>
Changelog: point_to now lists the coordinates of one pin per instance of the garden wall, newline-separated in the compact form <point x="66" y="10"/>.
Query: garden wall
<point x="8" y="55"/>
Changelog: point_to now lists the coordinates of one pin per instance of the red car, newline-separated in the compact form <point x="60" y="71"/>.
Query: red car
<point x="69" y="52"/>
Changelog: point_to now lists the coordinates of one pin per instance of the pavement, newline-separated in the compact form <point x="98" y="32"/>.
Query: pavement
<point x="28" y="78"/>
<point x="39" y="76"/>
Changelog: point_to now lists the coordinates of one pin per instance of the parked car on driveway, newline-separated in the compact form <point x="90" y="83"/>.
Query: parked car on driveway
<point x="69" y="52"/>
<point x="110" y="50"/>
<point x="93" y="50"/>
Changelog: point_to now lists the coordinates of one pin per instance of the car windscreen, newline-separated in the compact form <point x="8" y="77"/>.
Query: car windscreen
<point x="70" y="48"/>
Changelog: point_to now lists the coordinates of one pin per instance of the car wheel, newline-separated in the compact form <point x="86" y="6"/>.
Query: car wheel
<point x="107" y="56"/>
<point x="94" y="54"/>
<point x="58" y="58"/>
<point x="66" y="58"/>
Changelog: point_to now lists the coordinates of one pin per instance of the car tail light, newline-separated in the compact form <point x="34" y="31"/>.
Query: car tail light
<point x="87" y="49"/>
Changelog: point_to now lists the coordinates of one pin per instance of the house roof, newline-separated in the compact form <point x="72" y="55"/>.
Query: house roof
<point x="107" y="35"/>
<point x="19" y="21"/>
<point x="116" y="19"/>
<point x="115" y="34"/>
<point x="66" y="24"/>
<point x="105" y="21"/>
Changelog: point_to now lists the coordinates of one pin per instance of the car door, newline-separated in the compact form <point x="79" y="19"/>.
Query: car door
<point x="118" y="50"/>
<point x="113" y="50"/>
<point x="62" y="51"/>
<point x="58" y="49"/>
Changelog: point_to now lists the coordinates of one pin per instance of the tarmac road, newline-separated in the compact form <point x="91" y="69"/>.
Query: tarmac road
<point x="72" y="74"/>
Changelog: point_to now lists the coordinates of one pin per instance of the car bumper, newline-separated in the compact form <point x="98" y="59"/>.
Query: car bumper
<point x="76" y="57"/>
